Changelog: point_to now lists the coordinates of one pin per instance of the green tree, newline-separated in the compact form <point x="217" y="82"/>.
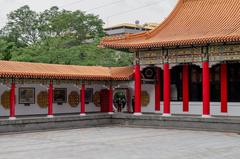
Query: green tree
<point x="53" y="50"/>
<point x="76" y="25"/>
<point x="22" y="26"/>
<point x="57" y="36"/>
<point x="29" y="27"/>
<point x="6" y="49"/>
<point x="45" y="28"/>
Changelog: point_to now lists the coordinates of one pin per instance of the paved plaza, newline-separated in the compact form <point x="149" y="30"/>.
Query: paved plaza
<point x="120" y="143"/>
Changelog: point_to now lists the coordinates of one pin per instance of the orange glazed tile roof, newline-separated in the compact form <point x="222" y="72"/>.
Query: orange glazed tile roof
<point x="10" y="69"/>
<point x="192" y="22"/>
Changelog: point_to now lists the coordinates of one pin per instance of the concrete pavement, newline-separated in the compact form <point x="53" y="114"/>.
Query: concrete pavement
<point x="120" y="143"/>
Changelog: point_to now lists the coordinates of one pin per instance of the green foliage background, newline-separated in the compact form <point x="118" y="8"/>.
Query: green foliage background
<point x="57" y="36"/>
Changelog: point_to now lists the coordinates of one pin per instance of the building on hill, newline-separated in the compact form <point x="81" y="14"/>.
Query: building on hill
<point x="127" y="28"/>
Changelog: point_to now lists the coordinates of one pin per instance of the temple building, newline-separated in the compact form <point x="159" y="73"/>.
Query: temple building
<point x="188" y="65"/>
<point x="190" y="61"/>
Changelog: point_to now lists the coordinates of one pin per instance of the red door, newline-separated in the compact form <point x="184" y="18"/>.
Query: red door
<point x="104" y="100"/>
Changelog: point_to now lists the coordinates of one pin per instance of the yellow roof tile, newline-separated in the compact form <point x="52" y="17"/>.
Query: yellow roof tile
<point x="191" y="22"/>
<point x="11" y="69"/>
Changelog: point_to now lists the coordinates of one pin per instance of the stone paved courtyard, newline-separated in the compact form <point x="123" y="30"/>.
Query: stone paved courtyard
<point x="120" y="143"/>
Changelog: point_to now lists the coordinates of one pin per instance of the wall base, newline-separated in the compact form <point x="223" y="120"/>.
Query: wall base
<point x="58" y="122"/>
<point x="220" y="124"/>
<point x="216" y="123"/>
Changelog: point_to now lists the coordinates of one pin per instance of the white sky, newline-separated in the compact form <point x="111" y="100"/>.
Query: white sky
<point x="111" y="11"/>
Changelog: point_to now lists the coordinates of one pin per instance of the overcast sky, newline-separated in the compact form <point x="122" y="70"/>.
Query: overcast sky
<point x="111" y="11"/>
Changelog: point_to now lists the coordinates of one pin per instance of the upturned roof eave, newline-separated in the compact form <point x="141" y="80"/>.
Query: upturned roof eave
<point x="159" y="37"/>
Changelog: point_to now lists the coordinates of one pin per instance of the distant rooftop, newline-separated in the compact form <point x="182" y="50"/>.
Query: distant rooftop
<point x="128" y="28"/>
<point x="148" y="26"/>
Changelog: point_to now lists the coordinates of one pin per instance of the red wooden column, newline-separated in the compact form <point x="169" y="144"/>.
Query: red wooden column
<point x="50" y="100"/>
<point x="83" y="100"/>
<point x="206" y="89"/>
<point x="137" y="102"/>
<point x="12" y="102"/>
<point x="224" y="88"/>
<point x="166" y="87"/>
<point x="185" y="88"/>
<point x="110" y="100"/>
<point x="157" y="91"/>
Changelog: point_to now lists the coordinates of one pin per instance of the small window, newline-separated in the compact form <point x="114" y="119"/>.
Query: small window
<point x="60" y="95"/>
<point x="26" y="96"/>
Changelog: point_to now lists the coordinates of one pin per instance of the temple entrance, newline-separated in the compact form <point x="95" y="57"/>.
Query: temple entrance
<point x="195" y="83"/>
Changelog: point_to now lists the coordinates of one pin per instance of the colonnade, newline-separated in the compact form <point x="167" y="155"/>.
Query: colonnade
<point x="50" y="114"/>
<point x="185" y="94"/>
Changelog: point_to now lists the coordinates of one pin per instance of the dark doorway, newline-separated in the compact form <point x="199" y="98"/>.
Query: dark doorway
<point x="195" y="83"/>
<point x="176" y="83"/>
<point x="104" y="100"/>
<point x="215" y="84"/>
<point x="234" y="82"/>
